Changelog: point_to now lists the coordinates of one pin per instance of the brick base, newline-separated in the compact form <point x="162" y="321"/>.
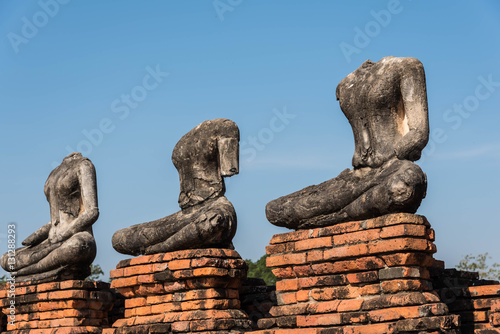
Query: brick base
<point x="494" y="318"/>
<point x="257" y="299"/>
<point x="181" y="292"/>
<point x="468" y="296"/>
<point x="495" y="314"/>
<point x="71" y="306"/>
<point x="358" y="277"/>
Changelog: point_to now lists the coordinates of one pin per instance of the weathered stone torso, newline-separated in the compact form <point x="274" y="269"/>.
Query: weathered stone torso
<point x="63" y="193"/>
<point x="371" y="99"/>
<point x="195" y="157"/>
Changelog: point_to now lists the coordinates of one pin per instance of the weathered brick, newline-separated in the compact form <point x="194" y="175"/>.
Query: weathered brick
<point x="284" y="272"/>
<point x="371" y="329"/>
<point x="403" y="272"/>
<point x="320" y="281"/>
<point x="140" y="260"/>
<point x="290" y="236"/>
<point x="403" y="285"/>
<point x="484" y="290"/>
<point x="323" y="307"/>
<point x="179" y="264"/>
<point x="286" y="310"/>
<point x="307" y="244"/>
<point x="404" y="230"/>
<point x="286" y="298"/>
<point x="363" y="277"/>
<point x="116" y="273"/>
<point x="285" y="260"/>
<point x="495" y="305"/>
<point x="287" y="285"/>
<point x="135" y="302"/>
<point x="301" y="271"/>
<point x="124" y="282"/>
<point x="356" y="237"/>
<point x="318" y="320"/>
<point x="303" y="295"/>
<point x="314" y="256"/>
<point x="495" y="319"/>
<point x="360" y="264"/>
<point x="209" y="272"/>
<point x="400" y="299"/>
<point x="138" y="270"/>
<point x="370" y="289"/>
<point x="343" y="292"/>
<point x="275" y="249"/>
<point x="350" y="305"/>
<point x="408" y="259"/>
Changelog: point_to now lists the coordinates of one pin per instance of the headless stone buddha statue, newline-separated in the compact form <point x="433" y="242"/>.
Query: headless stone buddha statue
<point x="202" y="157"/>
<point x="386" y="105"/>
<point x="64" y="247"/>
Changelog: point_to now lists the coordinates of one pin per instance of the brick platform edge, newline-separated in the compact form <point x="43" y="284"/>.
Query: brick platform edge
<point x="366" y="276"/>
<point x="494" y="318"/>
<point x="468" y="296"/>
<point x="181" y="292"/>
<point x="65" y="307"/>
<point x="495" y="314"/>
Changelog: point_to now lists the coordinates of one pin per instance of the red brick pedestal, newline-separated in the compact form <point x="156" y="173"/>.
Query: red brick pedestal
<point x="66" y="307"/>
<point x="358" y="277"/>
<point x="181" y="292"/>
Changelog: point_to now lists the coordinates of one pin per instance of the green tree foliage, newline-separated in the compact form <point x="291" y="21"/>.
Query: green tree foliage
<point x="3" y="279"/>
<point x="260" y="270"/>
<point x="478" y="263"/>
<point x="95" y="272"/>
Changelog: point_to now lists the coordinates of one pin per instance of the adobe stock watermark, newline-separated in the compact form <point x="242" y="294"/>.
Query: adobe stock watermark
<point x="364" y="36"/>
<point x="460" y="111"/>
<point x="32" y="25"/>
<point x="121" y="107"/>
<point x="11" y="280"/>
<point x="223" y="6"/>
<point x="254" y="144"/>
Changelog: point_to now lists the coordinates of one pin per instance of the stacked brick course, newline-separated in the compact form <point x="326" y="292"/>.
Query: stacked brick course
<point x="65" y="307"/>
<point x="257" y="298"/>
<point x="495" y="315"/>
<point x="358" y="277"/>
<point x="468" y="296"/>
<point x="181" y="292"/>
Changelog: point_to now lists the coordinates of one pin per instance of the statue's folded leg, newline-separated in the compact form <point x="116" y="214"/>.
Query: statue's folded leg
<point x="78" y="249"/>
<point x="317" y="200"/>
<point x="135" y="239"/>
<point x="401" y="191"/>
<point x="212" y="226"/>
<point x="26" y="256"/>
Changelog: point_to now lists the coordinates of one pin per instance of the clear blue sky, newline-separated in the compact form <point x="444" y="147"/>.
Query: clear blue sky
<point x="68" y="70"/>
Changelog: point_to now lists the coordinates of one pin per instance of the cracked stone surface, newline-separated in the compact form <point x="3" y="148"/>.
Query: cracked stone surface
<point x="203" y="157"/>
<point x="64" y="247"/>
<point x="386" y="105"/>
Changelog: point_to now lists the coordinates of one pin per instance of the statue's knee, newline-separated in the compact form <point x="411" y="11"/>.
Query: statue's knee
<point x="216" y="228"/>
<point x="117" y="240"/>
<point x="83" y="246"/>
<point x="3" y="261"/>
<point x="408" y="185"/>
